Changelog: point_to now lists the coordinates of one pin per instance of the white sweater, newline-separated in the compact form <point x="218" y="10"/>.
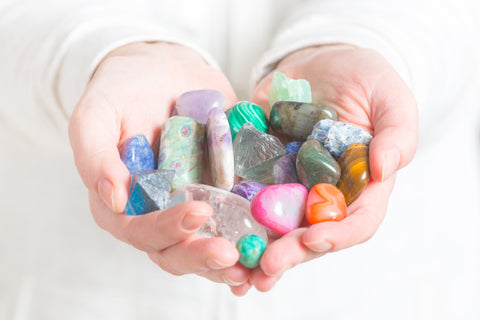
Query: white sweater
<point x="424" y="262"/>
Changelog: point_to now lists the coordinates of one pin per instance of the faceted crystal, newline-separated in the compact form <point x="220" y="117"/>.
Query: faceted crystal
<point x="197" y="104"/>
<point x="246" y="112"/>
<point x="255" y="153"/>
<point x="285" y="169"/>
<point x="248" y="189"/>
<point x="355" y="171"/>
<point x="251" y="248"/>
<point x="231" y="218"/>
<point x="286" y="89"/>
<point x="325" y="202"/>
<point x="138" y="155"/>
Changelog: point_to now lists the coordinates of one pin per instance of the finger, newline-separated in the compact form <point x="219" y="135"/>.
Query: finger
<point x="395" y="122"/>
<point x="263" y="282"/>
<point x="234" y="276"/>
<point x="364" y="216"/>
<point x="241" y="290"/>
<point x="155" y="231"/>
<point x="261" y="91"/>
<point x="94" y="136"/>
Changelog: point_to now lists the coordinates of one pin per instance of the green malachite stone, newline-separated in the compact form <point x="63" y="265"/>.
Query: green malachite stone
<point x="244" y="112"/>
<point x="251" y="248"/>
<point x="316" y="165"/>
<point x="286" y="89"/>
<point x="181" y="149"/>
<point x="297" y="119"/>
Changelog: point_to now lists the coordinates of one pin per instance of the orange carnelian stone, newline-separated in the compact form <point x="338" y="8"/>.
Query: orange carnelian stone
<point x="325" y="202"/>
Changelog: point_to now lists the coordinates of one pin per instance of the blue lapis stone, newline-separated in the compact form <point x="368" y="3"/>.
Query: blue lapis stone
<point x="137" y="154"/>
<point x="149" y="191"/>
<point x="293" y="146"/>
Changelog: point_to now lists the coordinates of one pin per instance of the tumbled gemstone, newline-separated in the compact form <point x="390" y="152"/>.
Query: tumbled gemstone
<point x="355" y="171"/>
<point x="325" y="202"/>
<point x="286" y="89"/>
<point x="316" y="165"/>
<point x="181" y="149"/>
<point x="284" y="170"/>
<point x="296" y="119"/>
<point x="251" y="247"/>
<point x="138" y="155"/>
<point x="248" y="189"/>
<point x="246" y="112"/>
<point x="196" y="104"/>
<point x="255" y="153"/>
<point x="149" y="191"/>
<point x="293" y="146"/>
<point x="337" y="136"/>
<point x="280" y="207"/>
<point x="231" y="219"/>
<point x="220" y="150"/>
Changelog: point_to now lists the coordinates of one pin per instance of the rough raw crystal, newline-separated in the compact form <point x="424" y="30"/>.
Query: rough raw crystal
<point x="138" y="155"/>
<point x="251" y="248"/>
<point x="231" y="219"/>
<point x="255" y="153"/>
<point x="197" y="104"/>
<point x="293" y="146"/>
<point x="285" y="170"/>
<point x="246" y="112"/>
<point x="149" y="191"/>
<point x="286" y="89"/>
<point x="325" y="202"/>
<point x="248" y="189"/>
<point x="220" y="150"/>
<point x="181" y="149"/>
<point x="337" y="136"/>
<point x="355" y="171"/>
<point x="296" y="119"/>
<point x="280" y="207"/>
<point x="316" y="165"/>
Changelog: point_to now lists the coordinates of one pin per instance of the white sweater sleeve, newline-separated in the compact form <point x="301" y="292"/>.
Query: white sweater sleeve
<point x="50" y="48"/>
<point x="429" y="43"/>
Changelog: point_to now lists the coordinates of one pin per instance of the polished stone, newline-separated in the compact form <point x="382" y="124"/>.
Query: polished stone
<point x="286" y="89"/>
<point x="337" y="136"/>
<point x="181" y="149"/>
<point x="296" y="119"/>
<point x="248" y="189"/>
<point x="149" y="191"/>
<point x="325" y="202"/>
<point x="137" y="154"/>
<point x="220" y="150"/>
<point x="231" y="219"/>
<point x="244" y="112"/>
<point x="284" y="170"/>
<point x="255" y="153"/>
<point x="293" y="146"/>
<point x="355" y="171"/>
<point x="280" y="208"/>
<point x="196" y="104"/>
<point x="316" y="165"/>
<point x="251" y="247"/>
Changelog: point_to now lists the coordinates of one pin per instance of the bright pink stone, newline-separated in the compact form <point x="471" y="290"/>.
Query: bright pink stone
<point x="280" y="207"/>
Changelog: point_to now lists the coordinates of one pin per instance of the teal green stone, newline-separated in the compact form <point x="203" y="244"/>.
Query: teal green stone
<point x="244" y="112"/>
<point x="297" y="119"/>
<point x="286" y="89"/>
<point x="251" y="248"/>
<point x="181" y="149"/>
<point x="316" y="165"/>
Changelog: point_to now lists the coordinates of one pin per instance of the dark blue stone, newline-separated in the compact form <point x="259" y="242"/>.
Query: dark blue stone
<point x="293" y="146"/>
<point x="149" y="191"/>
<point x="138" y="155"/>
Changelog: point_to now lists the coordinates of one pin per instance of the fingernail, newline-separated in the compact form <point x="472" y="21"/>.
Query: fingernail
<point x="215" y="264"/>
<point x="230" y="282"/>
<point x="319" y="246"/>
<point x="105" y="189"/>
<point x="193" y="220"/>
<point x="391" y="160"/>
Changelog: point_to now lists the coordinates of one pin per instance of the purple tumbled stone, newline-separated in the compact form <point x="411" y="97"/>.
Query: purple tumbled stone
<point x="285" y="169"/>
<point x="197" y="104"/>
<point x="248" y="189"/>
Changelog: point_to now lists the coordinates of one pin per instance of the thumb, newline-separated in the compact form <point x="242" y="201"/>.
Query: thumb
<point x="260" y="93"/>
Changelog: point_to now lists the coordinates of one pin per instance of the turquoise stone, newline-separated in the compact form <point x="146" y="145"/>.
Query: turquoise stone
<point x="316" y="165"/>
<point x="244" y="112"/>
<point x="286" y="89"/>
<point x="181" y="149"/>
<point x="251" y="248"/>
<point x="296" y="119"/>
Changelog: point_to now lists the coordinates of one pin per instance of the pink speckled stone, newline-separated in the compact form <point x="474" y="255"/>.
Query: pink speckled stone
<point x="280" y="207"/>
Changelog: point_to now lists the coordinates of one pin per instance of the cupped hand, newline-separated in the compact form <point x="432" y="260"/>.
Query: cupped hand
<point x="365" y="90"/>
<point x="133" y="92"/>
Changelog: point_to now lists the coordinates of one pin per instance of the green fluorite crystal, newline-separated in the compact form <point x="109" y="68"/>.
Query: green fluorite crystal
<point x="286" y="89"/>
<point x="244" y="112"/>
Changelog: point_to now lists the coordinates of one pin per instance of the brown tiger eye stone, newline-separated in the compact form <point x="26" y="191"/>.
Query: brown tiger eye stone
<point x="355" y="171"/>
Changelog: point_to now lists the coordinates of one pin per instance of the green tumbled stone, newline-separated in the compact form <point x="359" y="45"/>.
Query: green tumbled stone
<point x="244" y="112"/>
<point x="316" y="165"/>
<point x="181" y="149"/>
<point x="297" y="119"/>
<point x="286" y="89"/>
<point x="251" y="248"/>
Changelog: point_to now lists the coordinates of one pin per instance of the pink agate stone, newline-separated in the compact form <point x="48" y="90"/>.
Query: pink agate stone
<point x="280" y="207"/>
